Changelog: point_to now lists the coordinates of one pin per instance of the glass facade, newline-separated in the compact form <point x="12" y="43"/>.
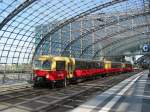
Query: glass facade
<point x="77" y="40"/>
<point x="81" y="28"/>
<point x="56" y="43"/>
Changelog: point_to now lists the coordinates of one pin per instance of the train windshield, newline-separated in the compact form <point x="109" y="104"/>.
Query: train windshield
<point x="46" y="65"/>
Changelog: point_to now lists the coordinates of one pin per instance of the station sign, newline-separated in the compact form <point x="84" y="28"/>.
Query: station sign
<point x="146" y="48"/>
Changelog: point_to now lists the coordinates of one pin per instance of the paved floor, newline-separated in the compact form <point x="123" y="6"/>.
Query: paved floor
<point x="131" y="95"/>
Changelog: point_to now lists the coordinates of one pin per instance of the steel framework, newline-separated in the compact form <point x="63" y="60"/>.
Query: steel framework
<point x="17" y="10"/>
<point x="25" y="27"/>
<point x="100" y="27"/>
<point x="122" y="41"/>
<point x="130" y="45"/>
<point x="59" y="26"/>
<point x="113" y="34"/>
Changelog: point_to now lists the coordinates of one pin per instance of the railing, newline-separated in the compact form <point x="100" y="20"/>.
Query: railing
<point x="15" y="76"/>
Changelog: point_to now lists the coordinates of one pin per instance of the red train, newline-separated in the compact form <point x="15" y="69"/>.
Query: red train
<point x="52" y="69"/>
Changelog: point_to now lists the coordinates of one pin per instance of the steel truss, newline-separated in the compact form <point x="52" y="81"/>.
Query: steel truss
<point x="122" y="40"/>
<point x="99" y="27"/>
<point x="17" y="10"/>
<point x="111" y="35"/>
<point x="121" y="49"/>
<point x="59" y="26"/>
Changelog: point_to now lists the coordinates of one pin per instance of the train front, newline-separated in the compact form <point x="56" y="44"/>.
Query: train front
<point x="41" y="70"/>
<point x="48" y="70"/>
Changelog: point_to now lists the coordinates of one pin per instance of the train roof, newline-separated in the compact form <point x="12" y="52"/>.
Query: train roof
<point x="44" y="57"/>
<point x="50" y="57"/>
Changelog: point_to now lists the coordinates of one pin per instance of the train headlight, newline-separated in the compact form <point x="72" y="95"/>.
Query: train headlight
<point x="47" y="76"/>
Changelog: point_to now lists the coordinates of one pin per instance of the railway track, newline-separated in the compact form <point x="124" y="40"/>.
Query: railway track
<point x="58" y="99"/>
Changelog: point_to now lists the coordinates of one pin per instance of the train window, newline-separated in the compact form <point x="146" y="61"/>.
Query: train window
<point x="116" y="65"/>
<point x="113" y="65"/>
<point x="37" y="64"/>
<point x="97" y="65"/>
<point x="60" y="65"/>
<point x="128" y="65"/>
<point x="85" y="65"/>
<point x="92" y="65"/>
<point x="100" y="65"/>
<point x="46" y="65"/>
<point x="88" y="64"/>
<point x="77" y="65"/>
<point x="80" y="64"/>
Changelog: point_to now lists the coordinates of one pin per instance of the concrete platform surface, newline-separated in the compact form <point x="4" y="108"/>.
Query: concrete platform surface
<point x="131" y="95"/>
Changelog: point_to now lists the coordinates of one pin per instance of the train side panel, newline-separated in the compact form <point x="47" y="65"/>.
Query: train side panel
<point x="56" y="68"/>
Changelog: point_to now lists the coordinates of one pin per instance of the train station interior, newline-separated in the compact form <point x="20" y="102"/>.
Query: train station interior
<point x="74" y="55"/>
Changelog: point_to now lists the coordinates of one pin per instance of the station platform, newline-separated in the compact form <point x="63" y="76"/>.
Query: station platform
<point x="131" y="95"/>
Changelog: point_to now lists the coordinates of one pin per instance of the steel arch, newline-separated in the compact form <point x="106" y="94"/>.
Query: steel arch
<point x="117" y="41"/>
<point x="111" y="35"/>
<point x="56" y="28"/>
<point x="21" y="7"/>
<point x="99" y="27"/>
<point x="130" y="45"/>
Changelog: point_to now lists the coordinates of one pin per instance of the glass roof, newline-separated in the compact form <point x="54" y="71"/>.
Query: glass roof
<point x="60" y="27"/>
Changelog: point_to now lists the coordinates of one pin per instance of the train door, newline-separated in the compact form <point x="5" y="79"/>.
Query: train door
<point x="60" y="65"/>
<point x="70" y="70"/>
<point x="107" y="64"/>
